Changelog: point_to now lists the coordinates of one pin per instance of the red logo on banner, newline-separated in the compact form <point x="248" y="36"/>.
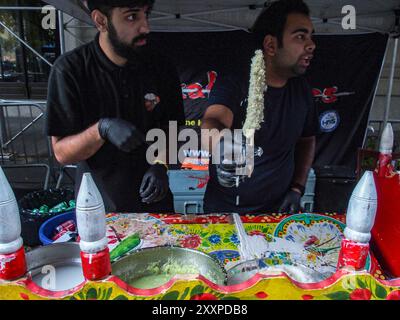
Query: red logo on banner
<point x="196" y="90"/>
<point x="329" y="95"/>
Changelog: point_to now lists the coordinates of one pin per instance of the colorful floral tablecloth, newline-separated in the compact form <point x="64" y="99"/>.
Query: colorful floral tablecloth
<point x="216" y="235"/>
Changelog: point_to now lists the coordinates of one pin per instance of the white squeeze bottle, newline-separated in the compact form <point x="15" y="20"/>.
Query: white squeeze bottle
<point x="12" y="255"/>
<point x="360" y="218"/>
<point x="361" y="211"/>
<point x="91" y="223"/>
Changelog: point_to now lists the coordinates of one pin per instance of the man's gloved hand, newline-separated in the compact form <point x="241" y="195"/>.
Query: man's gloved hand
<point x="121" y="133"/>
<point x="232" y="158"/>
<point x="227" y="176"/>
<point x="155" y="184"/>
<point x="291" y="202"/>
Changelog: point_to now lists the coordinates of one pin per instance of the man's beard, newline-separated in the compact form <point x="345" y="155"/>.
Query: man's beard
<point x="127" y="51"/>
<point x="298" y="71"/>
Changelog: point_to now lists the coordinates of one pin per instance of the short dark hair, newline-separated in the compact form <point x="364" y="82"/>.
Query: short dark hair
<point x="106" y="7"/>
<point x="272" y="19"/>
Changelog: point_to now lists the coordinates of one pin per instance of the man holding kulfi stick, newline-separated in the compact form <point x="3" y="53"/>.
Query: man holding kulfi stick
<point x="278" y="118"/>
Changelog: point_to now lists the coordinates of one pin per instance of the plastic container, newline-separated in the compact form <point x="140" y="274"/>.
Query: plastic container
<point x="31" y="221"/>
<point x="47" y="229"/>
<point x="307" y="201"/>
<point x="188" y="188"/>
<point x="66" y="261"/>
<point x="310" y="184"/>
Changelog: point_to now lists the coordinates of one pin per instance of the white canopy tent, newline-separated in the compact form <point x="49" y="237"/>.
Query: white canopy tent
<point x="223" y="15"/>
<point x="226" y="15"/>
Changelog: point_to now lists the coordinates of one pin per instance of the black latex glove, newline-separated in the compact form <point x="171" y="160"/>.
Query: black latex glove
<point x="291" y="202"/>
<point x="121" y="133"/>
<point x="227" y="176"/>
<point x="227" y="169"/>
<point x="155" y="184"/>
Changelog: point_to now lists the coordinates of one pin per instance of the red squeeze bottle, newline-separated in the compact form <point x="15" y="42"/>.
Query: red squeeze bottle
<point x="386" y="230"/>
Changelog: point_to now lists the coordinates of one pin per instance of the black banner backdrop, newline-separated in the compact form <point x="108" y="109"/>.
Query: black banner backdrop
<point x="200" y="58"/>
<point x="343" y="75"/>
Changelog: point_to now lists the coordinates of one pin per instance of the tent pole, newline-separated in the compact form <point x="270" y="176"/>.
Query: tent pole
<point x="215" y="11"/>
<point x="69" y="21"/>
<point x="165" y="15"/>
<point x="14" y="8"/>
<point x="228" y="26"/>
<point x="376" y="91"/>
<point x="358" y="27"/>
<point x="367" y="15"/>
<point x="61" y="31"/>
<point x="391" y="80"/>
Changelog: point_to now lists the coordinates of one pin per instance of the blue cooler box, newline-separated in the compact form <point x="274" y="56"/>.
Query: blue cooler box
<point x="188" y="188"/>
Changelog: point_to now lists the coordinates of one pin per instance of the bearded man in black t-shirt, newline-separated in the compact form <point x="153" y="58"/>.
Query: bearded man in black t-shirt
<point x="103" y="98"/>
<point x="285" y="143"/>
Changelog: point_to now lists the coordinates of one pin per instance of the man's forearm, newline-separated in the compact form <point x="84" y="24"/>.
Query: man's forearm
<point x="213" y="129"/>
<point x="216" y="118"/>
<point x="78" y="147"/>
<point x="211" y="123"/>
<point x="304" y="157"/>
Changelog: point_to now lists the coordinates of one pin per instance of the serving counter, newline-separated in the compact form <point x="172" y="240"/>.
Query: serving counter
<point x="215" y="234"/>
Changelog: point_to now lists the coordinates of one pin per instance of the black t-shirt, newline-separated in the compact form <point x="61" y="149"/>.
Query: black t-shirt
<point x="289" y="114"/>
<point x="84" y="86"/>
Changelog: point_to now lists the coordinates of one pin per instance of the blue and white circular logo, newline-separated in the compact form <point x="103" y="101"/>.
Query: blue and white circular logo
<point x="329" y="121"/>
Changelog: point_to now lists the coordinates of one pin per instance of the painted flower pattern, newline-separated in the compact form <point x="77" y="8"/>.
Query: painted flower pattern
<point x="257" y="233"/>
<point x="361" y="294"/>
<point x="215" y="238"/>
<point x="234" y="238"/>
<point x="321" y="241"/>
<point x="317" y="234"/>
<point x="261" y="295"/>
<point x="191" y="241"/>
<point x="24" y="296"/>
<point x="112" y="239"/>
<point x="204" y="296"/>
<point x="394" y="295"/>
<point x="225" y="256"/>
